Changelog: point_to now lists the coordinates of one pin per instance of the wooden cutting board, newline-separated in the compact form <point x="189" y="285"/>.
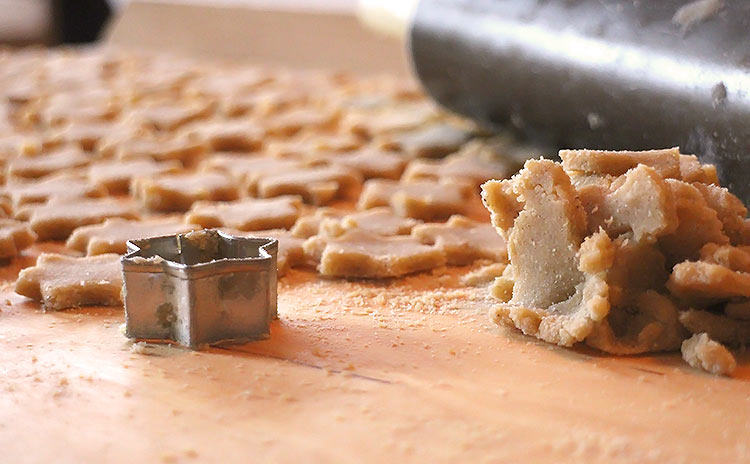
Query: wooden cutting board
<point x="406" y="371"/>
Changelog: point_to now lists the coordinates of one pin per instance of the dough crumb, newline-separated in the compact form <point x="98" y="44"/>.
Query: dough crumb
<point x="703" y="353"/>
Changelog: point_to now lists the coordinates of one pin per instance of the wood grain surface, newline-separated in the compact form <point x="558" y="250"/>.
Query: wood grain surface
<point x="403" y="371"/>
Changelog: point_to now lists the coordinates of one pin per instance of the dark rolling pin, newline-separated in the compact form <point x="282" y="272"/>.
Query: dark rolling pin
<point x="635" y="74"/>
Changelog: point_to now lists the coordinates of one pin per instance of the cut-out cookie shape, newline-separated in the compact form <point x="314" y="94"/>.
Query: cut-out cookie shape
<point x="462" y="240"/>
<point x="57" y="219"/>
<point x="289" y="123"/>
<point x="84" y="135"/>
<point x="307" y="226"/>
<point x="372" y="163"/>
<point x="183" y="149"/>
<point x="111" y="235"/>
<point x="116" y="176"/>
<point x="425" y="200"/>
<point x="379" y="221"/>
<point x="463" y="166"/>
<point x="232" y="135"/>
<point x="248" y="171"/>
<point x="703" y="353"/>
<point x="291" y="254"/>
<point x="317" y="186"/>
<point x="247" y="214"/>
<point x="62" y="282"/>
<point x="313" y="147"/>
<point x="44" y="164"/>
<point x="391" y="119"/>
<point x="60" y="186"/>
<point x="178" y="192"/>
<point x="361" y="254"/>
<point x="201" y="287"/>
<point x="15" y="236"/>
<point x="431" y="141"/>
<point x="169" y="117"/>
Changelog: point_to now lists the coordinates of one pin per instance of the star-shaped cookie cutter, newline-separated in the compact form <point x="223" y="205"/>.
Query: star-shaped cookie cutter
<point x="200" y="288"/>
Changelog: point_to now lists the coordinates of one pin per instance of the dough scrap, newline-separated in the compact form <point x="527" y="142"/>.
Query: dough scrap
<point x="116" y="176"/>
<point x="484" y="275"/>
<point x="425" y="200"/>
<point x="703" y="353"/>
<point x="247" y="214"/>
<point x="15" y="236"/>
<point x="639" y="201"/>
<point x="691" y="170"/>
<point x="62" y="282"/>
<point x="178" y="192"/>
<point x="701" y="280"/>
<point x="698" y="224"/>
<point x="665" y="162"/>
<point x="111" y="235"/>
<point x="730" y="211"/>
<point x="734" y="258"/>
<point x="601" y="247"/>
<point x="317" y="186"/>
<point x="462" y="240"/>
<point x="361" y="254"/>
<point x="57" y="219"/>
<point x="721" y="328"/>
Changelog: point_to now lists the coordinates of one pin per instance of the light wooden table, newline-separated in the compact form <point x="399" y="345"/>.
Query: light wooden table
<point x="409" y="371"/>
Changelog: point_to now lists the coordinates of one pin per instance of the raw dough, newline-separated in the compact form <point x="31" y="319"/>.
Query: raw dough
<point x="111" y="235"/>
<point x="15" y="236"/>
<point x="290" y="254"/>
<point x="62" y="282"/>
<point x="57" y="186"/>
<point x="379" y="221"/>
<point x="425" y="200"/>
<point x="177" y="192"/>
<point x="358" y="253"/>
<point x="609" y="247"/>
<point x="463" y="240"/>
<point x="49" y="163"/>
<point x="116" y="176"/>
<point x="372" y="163"/>
<point x="431" y="141"/>
<point x="317" y="186"/>
<point x="247" y="214"/>
<point x="57" y="219"/>
<point x="703" y="353"/>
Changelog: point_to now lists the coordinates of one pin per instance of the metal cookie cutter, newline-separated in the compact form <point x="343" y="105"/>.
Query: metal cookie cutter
<point x="200" y="287"/>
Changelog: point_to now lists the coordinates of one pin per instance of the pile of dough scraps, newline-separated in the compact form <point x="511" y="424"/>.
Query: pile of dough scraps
<point x="627" y="252"/>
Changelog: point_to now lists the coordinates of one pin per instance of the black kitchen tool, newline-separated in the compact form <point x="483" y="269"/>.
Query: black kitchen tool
<point x="633" y="74"/>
